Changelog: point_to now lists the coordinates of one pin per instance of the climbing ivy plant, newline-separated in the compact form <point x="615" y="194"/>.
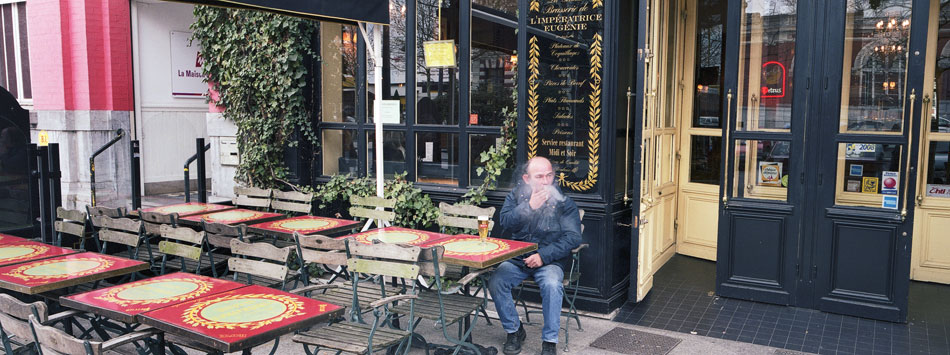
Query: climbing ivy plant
<point x="256" y="62"/>
<point x="496" y="158"/>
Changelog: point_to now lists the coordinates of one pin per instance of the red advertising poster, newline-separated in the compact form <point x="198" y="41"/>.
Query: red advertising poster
<point x="130" y="299"/>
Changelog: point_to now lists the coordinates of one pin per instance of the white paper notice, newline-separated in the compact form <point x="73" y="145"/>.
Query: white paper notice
<point x="387" y="111"/>
<point x="429" y="148"/>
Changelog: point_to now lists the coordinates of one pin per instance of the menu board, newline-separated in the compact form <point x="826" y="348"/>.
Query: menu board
<point x="565" y="53"/>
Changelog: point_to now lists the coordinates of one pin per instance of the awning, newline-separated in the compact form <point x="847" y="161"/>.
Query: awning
<point x="352" y="11"/>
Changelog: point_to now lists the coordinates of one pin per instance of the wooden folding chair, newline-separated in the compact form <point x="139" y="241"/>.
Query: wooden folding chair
<point x="382" y="260"/>
<point x="70" y="222"/>
<point x="374" y="209"/>
<point x="331" y="254"/>
<point x="252" y="198"/>
<point x="220" y="235"/>
<point x="124" y="232"/>
<point x="260" y="264"/>
<point x="291" y="202"/>
<point x="15" y="334"/>
<point x="114" y="212"/>
<point x="55" y="341"/>
<point x="190" y="247"/>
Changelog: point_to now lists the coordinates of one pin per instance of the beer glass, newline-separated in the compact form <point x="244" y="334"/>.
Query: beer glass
<point x="482" y="228"/>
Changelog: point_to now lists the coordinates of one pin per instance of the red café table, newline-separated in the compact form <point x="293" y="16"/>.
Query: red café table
<point x="305" y="225"/>
<point x="187" y="209"/>
<point x="396" y="235"/>
<point x="241" y="318"/>
<point x="231" y="217"/>
<point x="468" y="250"/>
<point x="6" y="238"/>
<point x="126" y="302"/>
<point x="59" y="272"/>
<point x="17" y="252"/>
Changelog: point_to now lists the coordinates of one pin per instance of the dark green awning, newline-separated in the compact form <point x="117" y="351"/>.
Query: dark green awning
<point x="344" y="11"/>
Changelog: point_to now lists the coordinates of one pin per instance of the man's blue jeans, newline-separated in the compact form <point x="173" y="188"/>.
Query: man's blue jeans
<point x="548" y="277"/>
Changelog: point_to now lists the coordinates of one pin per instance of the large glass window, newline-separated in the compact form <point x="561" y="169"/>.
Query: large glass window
<point x="707" y="100"/>
<point x="437" y="101"/>
<point x="866" y="171"/>
<point x="936" y="140"/>
<point x="339" y="151"/>
<point x="14" y="51"/>
<point x="494" y="62"/>
<point x="762" y="169"/>
<point x="394" y="62"/>
<point x="395" y="153"/>
<point x="766" y="65"/>
<point x="875" y="49"/>
<point x="705" y="159"/>
<point x="437" y="158"/>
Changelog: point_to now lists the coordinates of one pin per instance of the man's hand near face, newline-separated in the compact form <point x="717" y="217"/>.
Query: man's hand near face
<point x="538" y="197"/>
<point x="534" y="261"/>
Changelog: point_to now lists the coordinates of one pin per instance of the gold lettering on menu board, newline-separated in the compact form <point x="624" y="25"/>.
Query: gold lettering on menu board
<point x="564" y="88"/>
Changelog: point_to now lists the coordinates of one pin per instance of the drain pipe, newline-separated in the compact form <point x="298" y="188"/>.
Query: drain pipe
<point x="119" y="133"/>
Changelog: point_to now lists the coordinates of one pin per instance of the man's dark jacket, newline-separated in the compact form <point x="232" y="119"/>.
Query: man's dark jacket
<point x="556" y="228"/>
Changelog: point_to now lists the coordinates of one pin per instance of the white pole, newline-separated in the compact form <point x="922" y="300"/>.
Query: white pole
<point x="378" y="83"/>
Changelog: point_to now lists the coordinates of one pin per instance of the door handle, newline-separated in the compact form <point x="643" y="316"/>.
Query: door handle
<point x="910" y="141"/>
<point x="626" y="150"/>
<point x="725" y="191"/>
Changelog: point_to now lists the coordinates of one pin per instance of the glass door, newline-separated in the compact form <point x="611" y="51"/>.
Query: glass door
<point x="868" y="124"/>
<point x="760" y="214"/>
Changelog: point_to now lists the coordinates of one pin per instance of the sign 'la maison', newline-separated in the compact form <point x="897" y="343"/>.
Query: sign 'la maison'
<point x="565" y="52"/>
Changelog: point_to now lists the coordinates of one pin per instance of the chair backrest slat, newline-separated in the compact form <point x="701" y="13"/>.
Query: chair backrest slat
<point x="182" y="250"/>
<point x="363" y="212"/>
<point x="321" y="242"/>
<point x="320" y="249"/>
<point x="182" y="234"/>
<point x="220" y="235"/>
<point x="18" y="309"/>
<point x="464" y="216"/>
<point x="15" y="327"/>
<point x="372" y="201"/>
<point x="260" y="250"/>
<point x="400" y="252"/>
<point x="426" y="267"/>
<point x="72" y="215"/>
<point x="331" y="258"/>
<point x="286" y="206"/>
<point x="154" y="221"/>
<point x="124" y="238"/>
<point x="293" y="196"/>
<point x="257" y="268"/>
<point x="114" y="212"/>
<point x="121" y="224"/>
<point x="55" y="340"/>
<point x="251" y="197"/>
<point x="71" y="228"/>
<point x="383" y="268"/>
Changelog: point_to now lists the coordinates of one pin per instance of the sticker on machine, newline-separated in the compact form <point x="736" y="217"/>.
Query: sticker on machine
<point x="856" y="170"/>
<point x="889" y="182"/>
<point x="889" y="201"/>
<point x="934" y="190"/>
<point x="770" y="174"/>
<point x="869" y="185"/>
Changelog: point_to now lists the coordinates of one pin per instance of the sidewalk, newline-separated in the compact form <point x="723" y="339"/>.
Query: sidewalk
<point x="494" y="335"/>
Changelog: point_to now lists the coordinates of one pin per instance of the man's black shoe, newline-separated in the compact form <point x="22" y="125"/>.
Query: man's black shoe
<point x="548" y="348"/>
<point x="513" y="343"/>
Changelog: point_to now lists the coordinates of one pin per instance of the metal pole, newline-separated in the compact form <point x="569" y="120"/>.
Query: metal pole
<point x="55" y="174"/>
<point x="378" y="82"/>
<point x="32" y="156"/>
<point x="46" y="222"/>
<point x="92" y="164"/>
<point x="200" y="152"/>
<point x="136" y="175"/>
<point x="187" y="177"/>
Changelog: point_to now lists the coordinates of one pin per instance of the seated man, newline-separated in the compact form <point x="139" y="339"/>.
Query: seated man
<point x="536" y="211"/>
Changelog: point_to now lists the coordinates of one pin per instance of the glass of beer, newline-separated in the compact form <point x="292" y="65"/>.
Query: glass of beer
<point x="482" y="228"/>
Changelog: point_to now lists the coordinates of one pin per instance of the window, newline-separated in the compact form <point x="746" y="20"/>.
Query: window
<point x="705" y="128"/>
<point x="441" y="134"/>
<point x="15" y="72"/>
